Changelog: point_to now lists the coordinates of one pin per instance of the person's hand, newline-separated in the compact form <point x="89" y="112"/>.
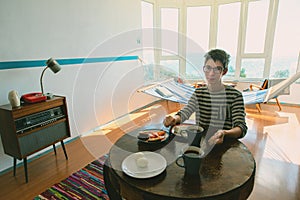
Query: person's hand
<point x="169" y="121"/>
<point x="217" y="138"/>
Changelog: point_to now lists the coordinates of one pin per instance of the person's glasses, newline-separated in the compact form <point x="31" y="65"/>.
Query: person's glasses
<point x="208" y="68"/>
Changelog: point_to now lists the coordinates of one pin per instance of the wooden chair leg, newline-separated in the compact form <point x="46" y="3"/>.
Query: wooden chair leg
<point x="278" y="103"/>
<point x="258" y="107"/>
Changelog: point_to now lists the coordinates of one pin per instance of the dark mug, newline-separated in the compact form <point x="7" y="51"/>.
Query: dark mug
<point x="192" y="133"/>
<point x="194" y="138"/>
<point x="192" y="158"/>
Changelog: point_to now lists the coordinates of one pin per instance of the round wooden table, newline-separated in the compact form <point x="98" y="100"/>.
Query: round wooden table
<point x="227" y="172"/>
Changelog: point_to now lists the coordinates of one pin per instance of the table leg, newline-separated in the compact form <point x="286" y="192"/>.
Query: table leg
<point x="63" y="146"/>
<point x="111" y="191"/>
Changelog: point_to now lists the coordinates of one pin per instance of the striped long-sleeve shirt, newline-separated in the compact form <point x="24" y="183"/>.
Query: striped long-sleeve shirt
<point x="216" y="110"/>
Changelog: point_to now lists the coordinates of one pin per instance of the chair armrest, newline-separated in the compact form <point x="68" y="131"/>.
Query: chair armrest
<point x="252" y="86"/>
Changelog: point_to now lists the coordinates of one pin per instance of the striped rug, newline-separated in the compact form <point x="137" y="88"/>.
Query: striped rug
<point x="87" y="183"/>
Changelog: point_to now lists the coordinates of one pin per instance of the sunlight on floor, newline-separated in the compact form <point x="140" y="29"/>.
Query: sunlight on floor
<point x="284" y="139"/>
<point x="107" y="128"/>
<point x="120" y="126"/>
<point x="148" y="115"/>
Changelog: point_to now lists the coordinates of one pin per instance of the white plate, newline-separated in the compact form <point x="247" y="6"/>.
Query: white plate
<point x="180" y="130"/>
<point x="156" y="165"/>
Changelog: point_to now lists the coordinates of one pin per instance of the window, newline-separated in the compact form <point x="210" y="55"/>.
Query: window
<point x="198" y="26"/>
<point x="170" y="68"/>
<point x="228" y="33"/>
<point x="197" y="41"/>
<point x="169" y="21"/>
<point x="252" y="68"/>
<point x="148" y="40"/>
<point x="255" y="33"/>
<point x="256" y="26"/>
<point x="287" y="40"/>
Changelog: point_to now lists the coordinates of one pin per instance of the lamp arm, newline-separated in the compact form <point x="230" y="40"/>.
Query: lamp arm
<point x="41" y="80"/>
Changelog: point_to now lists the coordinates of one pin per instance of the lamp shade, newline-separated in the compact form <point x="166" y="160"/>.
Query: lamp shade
<point x="53" y="65"/>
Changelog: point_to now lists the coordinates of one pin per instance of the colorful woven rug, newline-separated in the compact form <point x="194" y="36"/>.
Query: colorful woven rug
<point x="87" y="183"/>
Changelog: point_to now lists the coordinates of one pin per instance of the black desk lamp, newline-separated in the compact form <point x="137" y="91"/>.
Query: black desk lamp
<point x="54" y="66"/>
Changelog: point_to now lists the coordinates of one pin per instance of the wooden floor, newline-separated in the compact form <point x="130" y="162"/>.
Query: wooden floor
<point x="273" y="138"/>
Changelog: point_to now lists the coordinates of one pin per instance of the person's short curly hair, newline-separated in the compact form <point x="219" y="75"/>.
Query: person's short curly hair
<point x="218" y="54"/>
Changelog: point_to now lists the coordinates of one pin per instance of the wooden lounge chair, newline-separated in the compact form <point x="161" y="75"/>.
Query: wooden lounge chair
<point x="264" y="86"/>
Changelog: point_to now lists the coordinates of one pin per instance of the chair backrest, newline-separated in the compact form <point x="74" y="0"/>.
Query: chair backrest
<point x="273" y="82"/>
<point x="270" y="82"/>
<point x="265" y="84"/>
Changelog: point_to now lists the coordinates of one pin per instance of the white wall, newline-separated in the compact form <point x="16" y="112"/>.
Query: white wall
<point x="96" y="93"/>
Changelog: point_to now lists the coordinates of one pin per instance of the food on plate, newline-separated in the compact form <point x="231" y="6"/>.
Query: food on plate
<point x="138" y="155"/>
<point x="156" y="138"/>
<point x="152" y="135"/>
<point x="140" y="159"/>
<point x="183" y="128"/>
<point x="142" y="162"/>
<point x="143" y="136"/>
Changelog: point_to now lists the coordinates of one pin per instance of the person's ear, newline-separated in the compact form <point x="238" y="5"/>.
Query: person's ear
<point x="224" y="71"/>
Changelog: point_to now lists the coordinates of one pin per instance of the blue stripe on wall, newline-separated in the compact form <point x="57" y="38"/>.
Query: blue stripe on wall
<point x="71" y="61"/>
